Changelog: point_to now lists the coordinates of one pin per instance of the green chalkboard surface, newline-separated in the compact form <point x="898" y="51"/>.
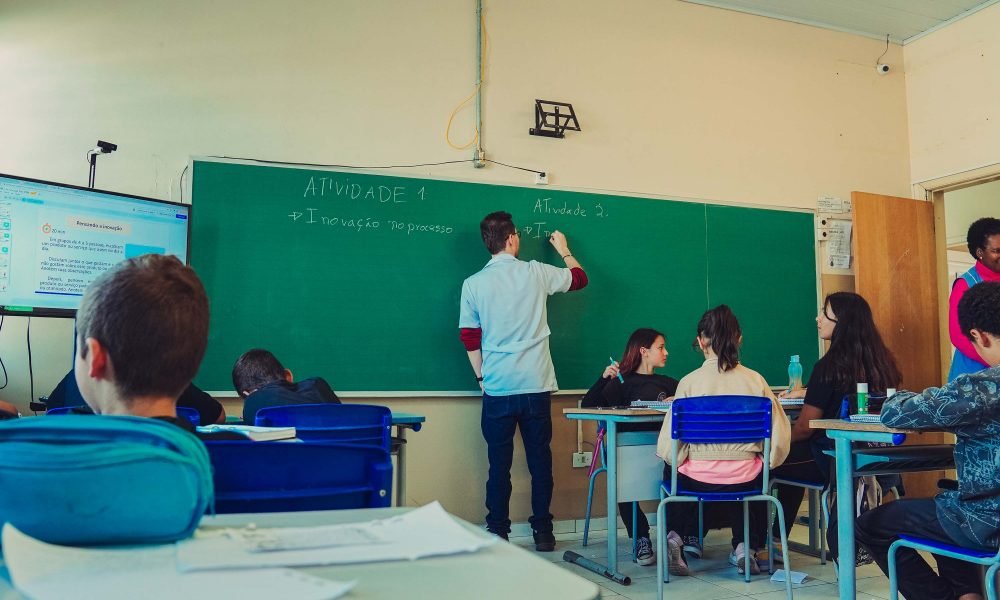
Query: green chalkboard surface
<point x="356" y="277"/>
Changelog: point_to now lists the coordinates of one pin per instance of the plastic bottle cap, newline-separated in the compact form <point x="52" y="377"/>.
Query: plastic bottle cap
<point x="862" y="388"/>
<point x="795" y="358"/>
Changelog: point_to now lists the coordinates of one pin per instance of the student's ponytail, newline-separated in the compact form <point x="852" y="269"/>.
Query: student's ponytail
<point x="720" y="327"/>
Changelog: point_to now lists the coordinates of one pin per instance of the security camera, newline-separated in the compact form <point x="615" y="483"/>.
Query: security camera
<point x="108" y="147"/>
<point x="881" y="68"/>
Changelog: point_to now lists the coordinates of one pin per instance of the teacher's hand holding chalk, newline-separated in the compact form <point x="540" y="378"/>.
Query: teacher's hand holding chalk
<point x="558" y="241"/>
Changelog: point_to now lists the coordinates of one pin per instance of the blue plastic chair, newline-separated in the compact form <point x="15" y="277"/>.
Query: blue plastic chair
<point x="275" y="477"/>
<point x="342" y="423"/>
<point x="185" y="412"/>
<point x="719" y="420"/>
<point x="986" y="558"/>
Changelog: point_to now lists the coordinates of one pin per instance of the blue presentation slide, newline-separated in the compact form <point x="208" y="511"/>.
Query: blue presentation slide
<point x="54" y="240"/>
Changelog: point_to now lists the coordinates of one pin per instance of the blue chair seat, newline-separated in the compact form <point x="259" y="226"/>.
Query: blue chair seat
<point x="341" y="423"/>
<point x="979" y="556"/>
<point x="735" y="496"/>
<point x="936" y="545"/>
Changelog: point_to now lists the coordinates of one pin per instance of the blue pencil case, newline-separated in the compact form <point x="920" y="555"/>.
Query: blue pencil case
<point x="86" y="480"/>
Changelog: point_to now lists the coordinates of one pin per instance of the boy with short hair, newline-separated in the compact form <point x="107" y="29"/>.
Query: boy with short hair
<point x="262" y="381"/>
<point x="969" y="407"/>
<point x="142" y="331"/>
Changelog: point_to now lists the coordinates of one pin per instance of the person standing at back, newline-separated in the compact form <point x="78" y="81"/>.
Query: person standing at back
<point x="504" y="327"/>
<point x="984" y="246"/>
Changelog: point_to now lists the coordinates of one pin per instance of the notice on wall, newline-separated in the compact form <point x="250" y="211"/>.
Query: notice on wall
<point x="838" y="246"/>
<point x="833" y="204"/>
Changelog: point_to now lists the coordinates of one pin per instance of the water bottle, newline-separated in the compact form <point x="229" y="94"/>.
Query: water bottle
<point x="862" y="398"/>
<point x="794" y="373"/>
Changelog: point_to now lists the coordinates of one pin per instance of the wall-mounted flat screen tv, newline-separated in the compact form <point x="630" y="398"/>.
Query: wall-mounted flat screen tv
<point x="56" y="238"/>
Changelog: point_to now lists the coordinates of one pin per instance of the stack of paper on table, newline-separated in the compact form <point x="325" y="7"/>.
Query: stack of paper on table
<point x="232" y="562"/>
<point x="257" y="434"/>
<point x="47" y="572"/>
<point x="423" y="532"/>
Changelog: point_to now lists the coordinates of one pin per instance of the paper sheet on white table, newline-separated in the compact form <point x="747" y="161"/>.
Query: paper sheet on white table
<point x="422" y="532"/>
<point x="47" y="572"/>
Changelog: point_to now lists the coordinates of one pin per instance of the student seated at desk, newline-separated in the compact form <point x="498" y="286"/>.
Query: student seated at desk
<point x="67" y="393"/>
<point x="721" y="467"/>
<point x="645" y="352"/>
<point x="969" y="407"/>
<point x="262" y="381"/>
<point x="142" y="331"/>
<point x="857" y="354"/>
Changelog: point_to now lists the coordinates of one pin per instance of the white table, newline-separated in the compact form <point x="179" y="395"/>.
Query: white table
<point x="500" y="571"/>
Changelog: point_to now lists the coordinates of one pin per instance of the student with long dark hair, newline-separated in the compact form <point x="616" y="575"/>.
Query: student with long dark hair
<point x="721" y="467"/>
<point x="645" y="352"/>
<point x="857" y="354"/>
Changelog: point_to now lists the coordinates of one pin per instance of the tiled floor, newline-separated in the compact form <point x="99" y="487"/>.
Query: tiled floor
<point x="712" y="578"/>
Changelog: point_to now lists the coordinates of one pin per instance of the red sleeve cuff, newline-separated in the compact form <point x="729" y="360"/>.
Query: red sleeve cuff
<point x="579" y="279"/>
<point x="472" y="337"/>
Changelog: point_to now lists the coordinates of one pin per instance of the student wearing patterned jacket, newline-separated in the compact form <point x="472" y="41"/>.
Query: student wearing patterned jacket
<point x="969" y="407"/>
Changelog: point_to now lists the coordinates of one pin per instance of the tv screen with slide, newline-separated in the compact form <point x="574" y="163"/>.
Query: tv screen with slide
<point x="56" y="238"/>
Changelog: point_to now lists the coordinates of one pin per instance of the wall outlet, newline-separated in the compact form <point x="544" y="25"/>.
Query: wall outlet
<point x="582" y="459"/>
<point x="541" y="178"/>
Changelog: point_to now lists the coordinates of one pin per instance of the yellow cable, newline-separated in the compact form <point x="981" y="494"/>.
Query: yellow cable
<point x="482" y="77"/>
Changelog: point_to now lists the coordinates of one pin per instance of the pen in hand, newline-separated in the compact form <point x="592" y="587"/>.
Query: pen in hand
<point x="615" y="364"/>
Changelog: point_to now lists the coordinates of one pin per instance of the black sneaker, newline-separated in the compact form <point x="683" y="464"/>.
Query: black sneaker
<point x="544" y="541"/>
<point x="500" y="534"/>
<point x="691" y="546"/>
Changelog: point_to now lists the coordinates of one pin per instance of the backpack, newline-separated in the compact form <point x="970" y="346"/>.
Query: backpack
<point x="85" y="480"/>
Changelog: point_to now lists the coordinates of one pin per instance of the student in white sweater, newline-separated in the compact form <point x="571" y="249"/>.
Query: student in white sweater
<point x="721" y="467"/>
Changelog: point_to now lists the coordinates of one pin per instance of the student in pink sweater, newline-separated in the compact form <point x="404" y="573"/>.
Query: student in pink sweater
<point x="721" y="467"/>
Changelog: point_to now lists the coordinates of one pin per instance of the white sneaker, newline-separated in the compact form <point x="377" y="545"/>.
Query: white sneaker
<point x="675" y="555"/>
<point x="738" y="558"/>
<point x="644" y="554"/>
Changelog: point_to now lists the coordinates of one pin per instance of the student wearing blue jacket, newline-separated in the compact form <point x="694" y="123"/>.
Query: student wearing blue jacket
<point x="969" y="517"/>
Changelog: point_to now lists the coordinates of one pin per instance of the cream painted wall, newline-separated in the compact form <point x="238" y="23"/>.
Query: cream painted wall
<point x="964" y="206"/>
<point x="674" y="99"/>
<point x="952" y="86"/>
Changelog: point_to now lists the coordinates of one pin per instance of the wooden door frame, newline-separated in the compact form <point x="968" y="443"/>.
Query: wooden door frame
<point x="933" y="190"/>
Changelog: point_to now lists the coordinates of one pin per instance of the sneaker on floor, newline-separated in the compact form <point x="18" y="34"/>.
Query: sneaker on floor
<point x="762" y="556"/>
<point x="691" y="546"/>
<point x="675" y="553"/>
<point x="644" y="554"/>
<point x="544" y="541"/>
<point x="738" y="558"/>
<point x="500" y="534"/>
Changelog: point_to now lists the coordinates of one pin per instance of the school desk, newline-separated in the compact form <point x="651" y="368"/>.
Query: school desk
<point x="403" y="421"/>
<point x="500" y="571"/>
<point x="613" y="440"/>
<point x="857" y="462"/>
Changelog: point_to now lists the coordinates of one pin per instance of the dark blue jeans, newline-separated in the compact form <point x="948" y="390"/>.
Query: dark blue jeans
<point x="532" y="414"/>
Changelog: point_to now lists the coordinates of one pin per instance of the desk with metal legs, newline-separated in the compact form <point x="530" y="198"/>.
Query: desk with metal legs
<point x="859" y="462"/>
<point x="612" y="418"/>
<point x="403" y="421"/>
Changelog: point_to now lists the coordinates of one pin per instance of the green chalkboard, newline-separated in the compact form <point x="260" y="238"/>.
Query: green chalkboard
<point x="356" y="277"/>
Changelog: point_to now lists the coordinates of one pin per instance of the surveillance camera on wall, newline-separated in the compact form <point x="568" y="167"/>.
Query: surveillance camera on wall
<point x="882" y="68"/>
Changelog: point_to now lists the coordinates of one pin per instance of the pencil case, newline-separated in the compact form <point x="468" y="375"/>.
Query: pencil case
<point x="96" y="480"/>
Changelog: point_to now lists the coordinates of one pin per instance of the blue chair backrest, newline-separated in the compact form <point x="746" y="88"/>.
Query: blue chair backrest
<point x="191" y="414"/>
<point x="720" y="420"/>
<point x="285" y="476"/>
<point x="183" y="412"/>
<point x="341" y="423"/>
<point x="69" y="410"/>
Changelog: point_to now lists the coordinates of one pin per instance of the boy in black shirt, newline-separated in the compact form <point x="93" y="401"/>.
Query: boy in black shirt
<point x="262" y="381"/>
